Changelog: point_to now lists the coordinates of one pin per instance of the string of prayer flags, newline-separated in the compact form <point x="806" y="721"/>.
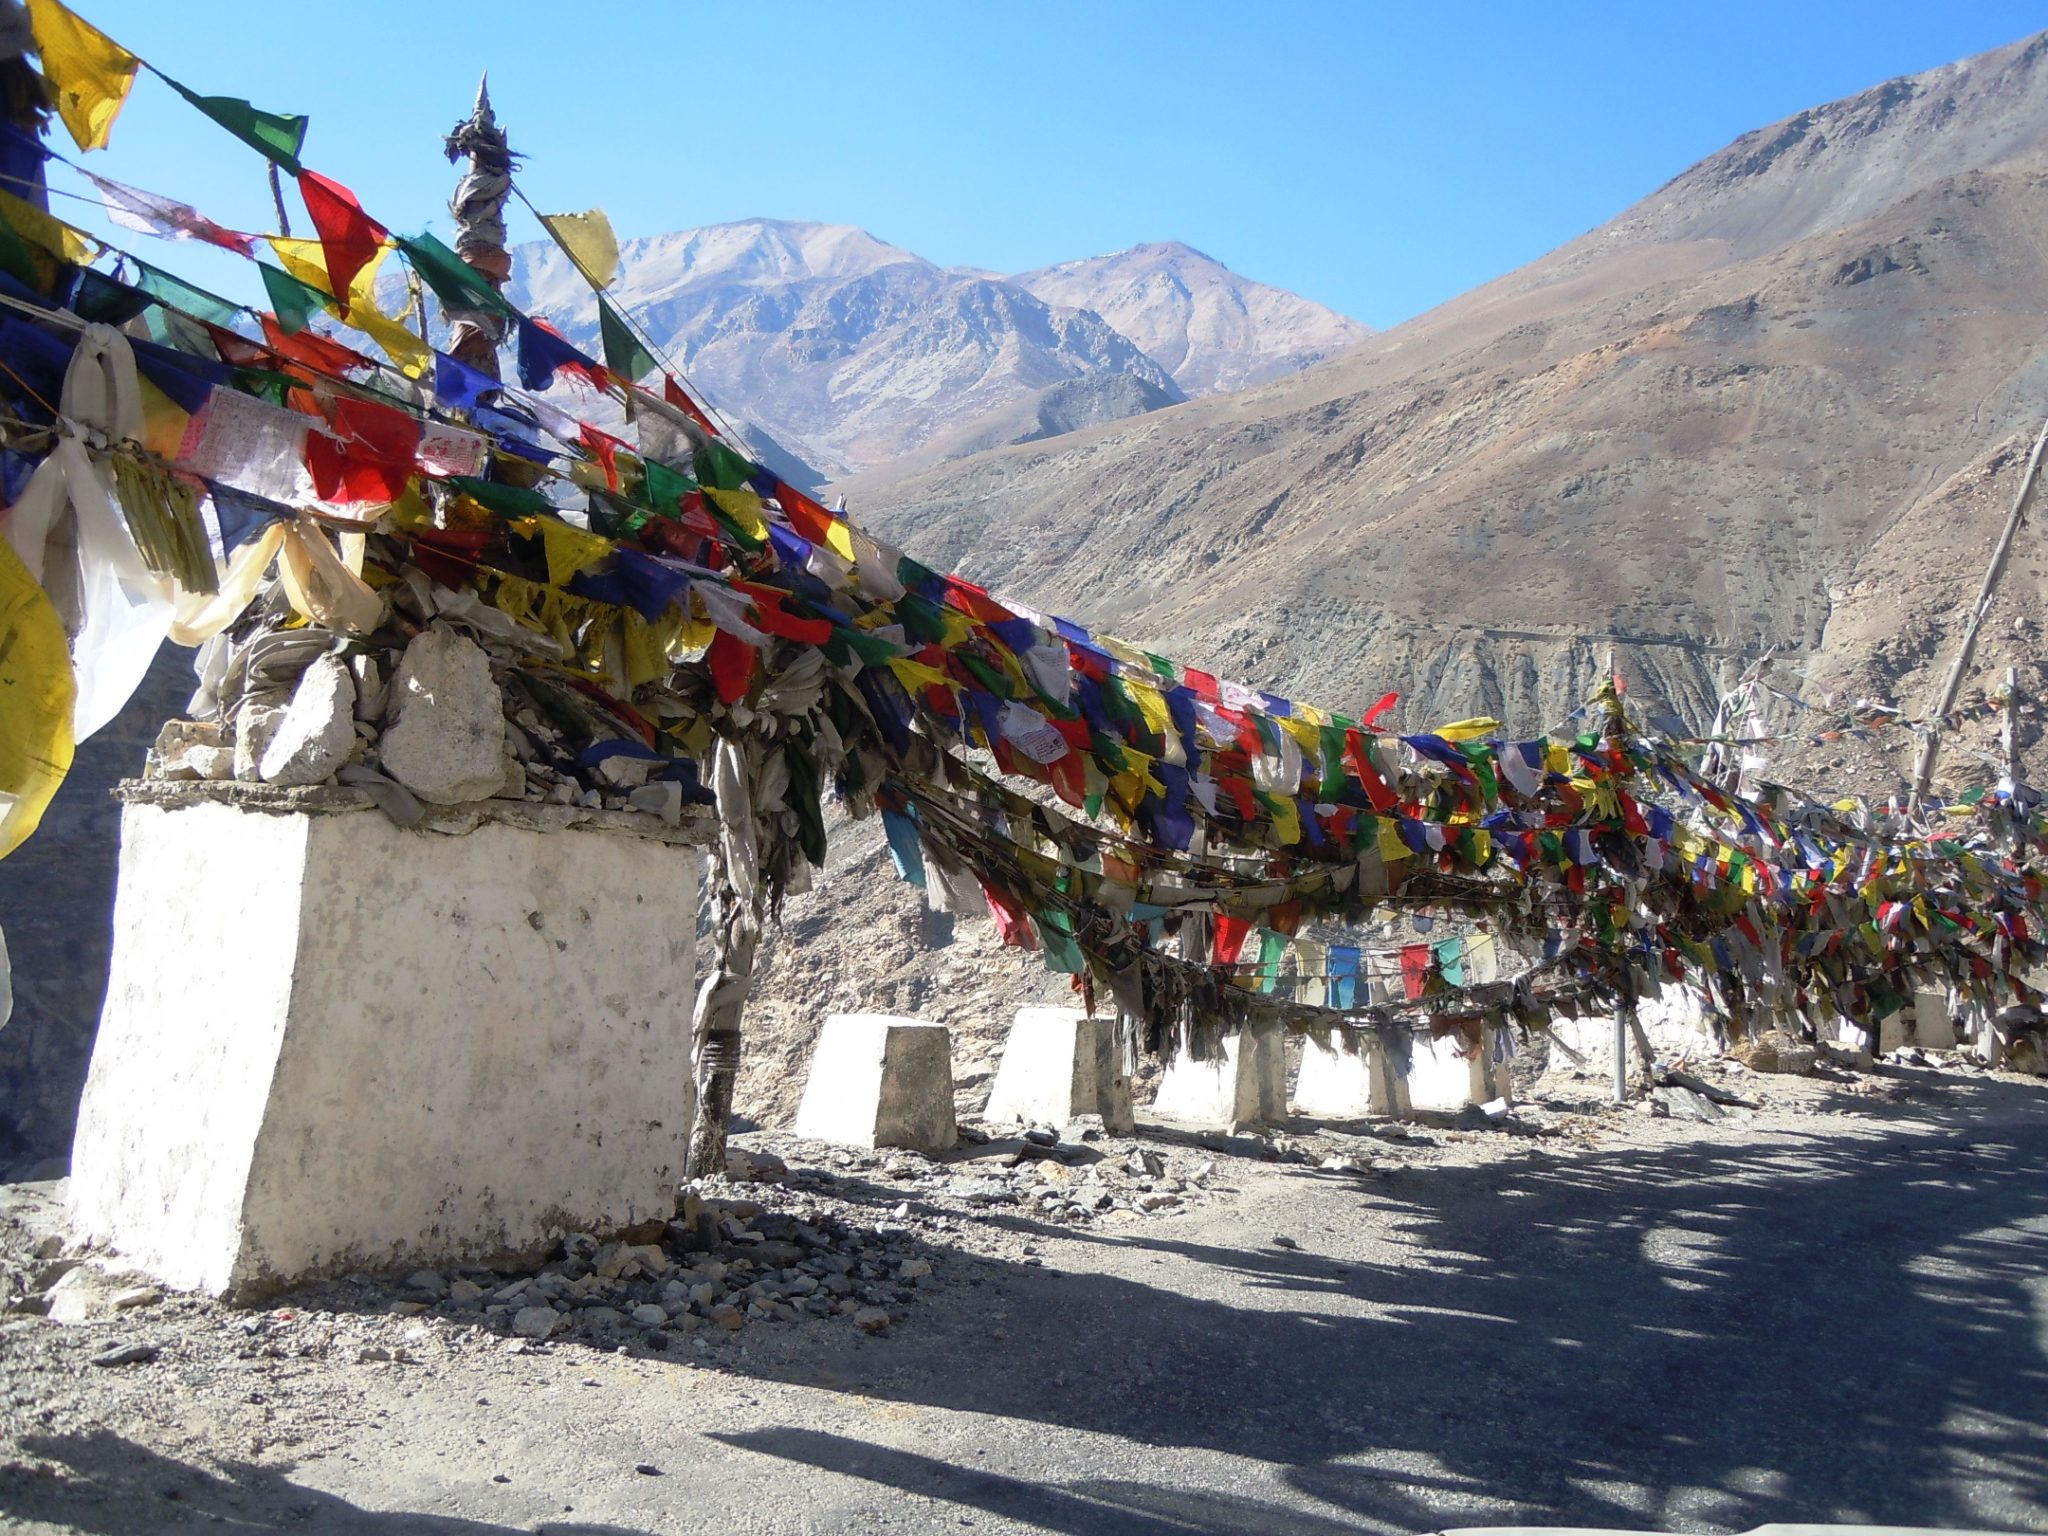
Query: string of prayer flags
<point x="587" y="240"/>
<point x="278" y="137"/>
<point x="349" y="238"/>
<point x="89" y="74"/>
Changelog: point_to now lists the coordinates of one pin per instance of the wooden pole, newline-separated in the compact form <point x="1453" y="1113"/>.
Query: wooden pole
<point x="1923" y="772"/>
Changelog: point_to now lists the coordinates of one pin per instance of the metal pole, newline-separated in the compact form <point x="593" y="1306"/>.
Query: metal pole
<point x="1621" y="1009"/>
<point x="2008" y="728"/>
<point x="1923" y="772"/>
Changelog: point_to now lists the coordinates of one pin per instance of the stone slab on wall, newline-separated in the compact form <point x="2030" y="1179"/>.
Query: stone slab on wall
<point x="330" y="1043"/>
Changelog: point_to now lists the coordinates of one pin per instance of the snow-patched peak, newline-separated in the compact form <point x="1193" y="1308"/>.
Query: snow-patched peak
<point x="852" y="352"/>
<point x="1211" y="329"/>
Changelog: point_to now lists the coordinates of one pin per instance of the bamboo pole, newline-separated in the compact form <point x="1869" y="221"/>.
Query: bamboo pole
<point x="1923" y="772"/>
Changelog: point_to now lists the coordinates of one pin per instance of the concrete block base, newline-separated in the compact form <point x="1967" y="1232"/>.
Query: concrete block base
<point x="1933" y="1025"/>
<point x="1676" y="1023"/>
<point x="1338" y="1085"/>
<point x="1247" y="1083"/>
<point x="331" y="1044"/>
<point x="1440" y="1078"/>
<point x="880" y="1081"/>
<point x="1059" y="1063"/>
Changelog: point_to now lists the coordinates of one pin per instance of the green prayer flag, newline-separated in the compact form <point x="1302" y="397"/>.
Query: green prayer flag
<point x="455" y="282"/>
<point x="276" y="136"/>
<point x="296" y="303"/>
<point x="181" y="295"/>
<point x="666" y="487"/>
<point x="623" y="353"/>
<point x="1271" y="947"/>
<point x="505" y="500"/>
<point x="1056" y="935"/>
<point x="722" y="469"/>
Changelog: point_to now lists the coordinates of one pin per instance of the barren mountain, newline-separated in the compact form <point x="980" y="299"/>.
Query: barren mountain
<point x="1211" y="329"/>
<point x="1694" y="435"/>
<point x="849" y="352"/>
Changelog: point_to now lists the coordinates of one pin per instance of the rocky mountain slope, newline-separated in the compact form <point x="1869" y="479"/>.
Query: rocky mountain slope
<point x="1687" y="436"/>
<point x="1211" y="329"/>
<point x="850" y="352"/>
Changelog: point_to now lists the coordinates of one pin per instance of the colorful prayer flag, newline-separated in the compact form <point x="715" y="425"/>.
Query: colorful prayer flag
<point x="623" y="353"/>
<point x="164" y="217"/>
<point x="277" y="136"/>
<point x="587" y="240"/>
<point x="349" y="237"/>
<point x="88" y="72"/>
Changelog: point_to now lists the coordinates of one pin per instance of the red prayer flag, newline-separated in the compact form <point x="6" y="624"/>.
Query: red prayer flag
<point x="349" y="237"/>
<point x="672" y="392"/>
<point x="1387" y="702"/>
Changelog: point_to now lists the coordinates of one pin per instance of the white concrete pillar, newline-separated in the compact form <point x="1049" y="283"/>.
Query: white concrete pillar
<point x="1933" y="1025"/>
<point x="1440" y="1078"/>
<point x="1247" y="1083"/>
<point x="1343" y="1085"/>
<point x="1059" y="1063"/>
<point x="330" y="1043"/>
<point x="880" y="1081"/>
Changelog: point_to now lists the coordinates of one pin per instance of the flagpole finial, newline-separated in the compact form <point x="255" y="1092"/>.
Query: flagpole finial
<point x="483" y="111"/>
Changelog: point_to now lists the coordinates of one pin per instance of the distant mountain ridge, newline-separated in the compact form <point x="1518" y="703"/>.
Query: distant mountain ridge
<point x="851" y="353"/>
<point x="1211" y="329"/>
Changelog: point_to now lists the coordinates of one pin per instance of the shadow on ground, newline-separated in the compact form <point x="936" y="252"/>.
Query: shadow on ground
<point x="108" y="1485"/>
<point x="1795" y="1328"/>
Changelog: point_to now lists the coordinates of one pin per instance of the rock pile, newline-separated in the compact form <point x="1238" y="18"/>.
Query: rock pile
<point x="722" y="1264"/>
<point x="1096" y="1180"/>
<point x="433" y="708"/>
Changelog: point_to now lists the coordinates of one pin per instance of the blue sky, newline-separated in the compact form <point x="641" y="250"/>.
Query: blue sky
<point x="1377" y="158"/>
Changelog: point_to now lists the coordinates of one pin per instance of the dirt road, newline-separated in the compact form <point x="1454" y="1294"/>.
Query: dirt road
<point x="1835" y="1309"/>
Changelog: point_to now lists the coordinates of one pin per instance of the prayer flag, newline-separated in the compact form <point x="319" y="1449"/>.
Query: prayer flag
<point x="181" y="295"/>
<point x="623" y="353"/>
<point x="673" y="393"/>
<point x="294" y="302"/>
<point x="542" y="350"/>
<point x="588" y="241"/>
<point x="455" y="282"/>
<point x="349" y="238"/>
<point x="458" y="385"/>
<point x="132" y="208"/>
<point x="276" y="136"/>
<point x="89" y="73"/>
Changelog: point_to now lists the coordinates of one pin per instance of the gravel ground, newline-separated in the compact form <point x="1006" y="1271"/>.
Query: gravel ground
<point x="1828" y="1305"/>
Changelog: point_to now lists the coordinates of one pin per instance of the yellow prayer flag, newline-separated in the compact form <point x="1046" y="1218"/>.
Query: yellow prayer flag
<point x="400" y="344"/>
<point x="1466" y="730"/>
<point x="89" y="73"/>
<point x="44" y="231"/>
<point x="587" y="239"/>
<point x="304" y="259"/>
<point x="37" y="687"/>
<point x="569" y="550"/>
<point x="743" y="507"/>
